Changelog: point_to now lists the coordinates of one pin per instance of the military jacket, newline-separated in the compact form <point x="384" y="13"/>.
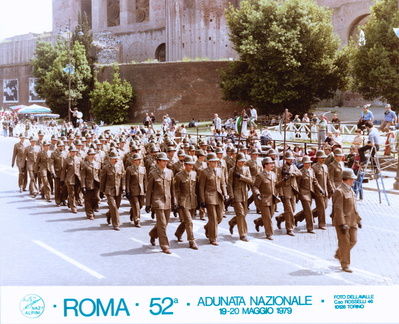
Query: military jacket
<point x="185" y="189"/>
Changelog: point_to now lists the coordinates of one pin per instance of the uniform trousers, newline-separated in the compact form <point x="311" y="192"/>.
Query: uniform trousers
<point x="345" y="243"/>
<point x="136" y="203"/>
<point x="266" y="219"/>
<point x="73" y="194"/>
<point x="159" y="230"/>
<point x="306" y="214"/>
<point x="288" y="215"/>
<point x="114" y="202"/>
<point x="186" y="224"/>
<point x="91" y="201"/>
<point x="241" y="210"/>
<point x="22" y="178"/>
<point x="60" y="192"/>
<point x="321" y="205"/>
<point x="215" y="217"/>
<point x="32" y="182"/>
<point x="45" y="184"/>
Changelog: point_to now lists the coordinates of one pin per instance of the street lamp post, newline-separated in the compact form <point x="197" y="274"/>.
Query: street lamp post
<point x="70" y="68"/>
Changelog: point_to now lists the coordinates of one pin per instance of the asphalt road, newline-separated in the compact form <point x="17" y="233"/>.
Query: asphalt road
<point x="45" y="245"/>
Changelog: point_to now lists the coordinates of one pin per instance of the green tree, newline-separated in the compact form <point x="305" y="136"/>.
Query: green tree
<point x="289" y="55"/>
<point x="49" y="64"/>
<point x="375" y="64"/>
<point x="110" y="101"/>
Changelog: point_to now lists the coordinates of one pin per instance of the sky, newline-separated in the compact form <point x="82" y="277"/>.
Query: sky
<point x="19" y="17"/>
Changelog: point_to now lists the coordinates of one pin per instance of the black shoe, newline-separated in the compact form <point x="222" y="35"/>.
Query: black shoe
<point x="137" y="224"/>
<point x="322" y="228"/>
<point x="179" y="239"/>
<point x="347" y="269"/>
<point x="290" y="233"/>
<point x="269" y="237"/>
<point x="152" y="215"/>
<point x="64" y="203"/>
<point x="116" y="228"/>
<point x="215" y="243"/>
<point x="311" y="232"/>
<point x="256" y="226"/>
<point x="108" y="219"/>
<point x="244" y="238"/>
<point x="336" y="256"/>
<point x="131" y="217"/>
<point x="231" y="229"/>
<point x="152" y="241"/>
<point x="167" y="251"/>
<point x="296" y="223"/>
<point x="278" y="224"/>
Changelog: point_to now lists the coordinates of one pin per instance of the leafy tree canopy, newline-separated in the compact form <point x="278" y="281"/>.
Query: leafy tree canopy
<point x="110" y="101"/>
<point x="289" y="55"/>
<point x="49" y="66"/>
<point x="375" y="64"/>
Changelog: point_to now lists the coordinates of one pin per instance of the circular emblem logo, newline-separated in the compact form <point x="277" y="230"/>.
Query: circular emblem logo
<point x="32" y="306"/>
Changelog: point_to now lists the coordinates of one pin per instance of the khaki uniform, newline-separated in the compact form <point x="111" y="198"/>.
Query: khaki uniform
<point x="321" y="172"/>
<point x="90" y="174"/>
<point x="335" y="174"/>
<point x="70" y="175"/>
<point x="265" y="186"/>
<point x="160" y="197"/>
<point x="345" y="213"/>
<point x="308" y="186"/>
<point x="18" y="156"/>
<point x="136" y="183"/>
<point x="57" y="163"/>
<point x="238" y="190"/>
<point x="254" y="167"/>
<point x="43" y="169"/>
<point x="112" y="183"/>
<point x="185" y="191"/>
<point x="288" y="190"/>
<point x="31" y="153"/>
<point x="212" y="190"/>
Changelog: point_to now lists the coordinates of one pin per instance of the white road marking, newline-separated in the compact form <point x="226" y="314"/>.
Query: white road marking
<point x="252" y="247"/>
<point x="68" y="259"/>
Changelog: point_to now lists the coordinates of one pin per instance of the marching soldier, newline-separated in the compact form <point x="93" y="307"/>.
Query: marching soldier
<point x="31" y="153"/>
<point x="346" y="218"/>
<point x="161" y="199"/>
<point x="308" y="186"/>
<point x="254" y="167"/>
<point x="212" y="191"/>
<point x="70" y="176"/>
<point x="185" y="191"/>
<point x="265" y="189"/>
<point x="43" y="168"/>
<point x="239" y="181"/>
<point x="136" y="182"/>
<point x="288" y="188"/>
<point x="335" y="169"/>
<point x="90" y="174"/>
<point x="57" y="163"/>
<point x="112" y="184"/>
<point x="19" y="157"/>
<point x="321" y="198"/>
<point x="179" y="165"/>
<point x="200" y="165"/>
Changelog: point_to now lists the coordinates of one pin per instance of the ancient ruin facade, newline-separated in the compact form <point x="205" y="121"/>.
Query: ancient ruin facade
<point x="137" y="31"/>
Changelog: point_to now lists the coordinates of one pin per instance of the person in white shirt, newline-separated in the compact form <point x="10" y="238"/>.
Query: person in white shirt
<point x="253" y="115"/>
<point x="217" y="123"/>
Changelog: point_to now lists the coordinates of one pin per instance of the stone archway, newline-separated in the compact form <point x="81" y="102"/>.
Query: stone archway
<point x="353" y="31"/>
<point x="160" y="53"/>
